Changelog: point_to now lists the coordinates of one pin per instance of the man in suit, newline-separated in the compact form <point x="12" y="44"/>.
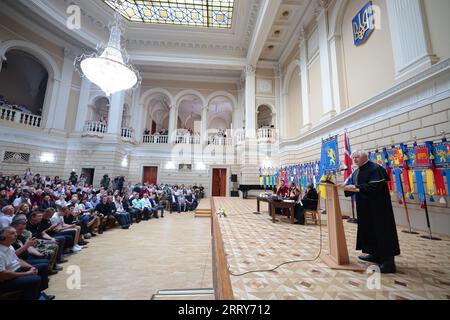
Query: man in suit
<point x="173" y="199"/>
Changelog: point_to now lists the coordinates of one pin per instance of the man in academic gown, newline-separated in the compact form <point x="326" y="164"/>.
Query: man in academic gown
<point x="377" y="232"/>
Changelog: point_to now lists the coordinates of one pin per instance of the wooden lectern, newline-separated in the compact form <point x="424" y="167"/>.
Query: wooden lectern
<point x="338" y="257"/>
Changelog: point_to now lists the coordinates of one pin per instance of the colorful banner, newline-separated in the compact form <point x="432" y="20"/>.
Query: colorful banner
<point x="330" y="151"/>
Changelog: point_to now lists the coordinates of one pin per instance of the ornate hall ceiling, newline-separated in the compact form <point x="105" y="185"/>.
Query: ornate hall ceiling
<point x="248" y="32"/>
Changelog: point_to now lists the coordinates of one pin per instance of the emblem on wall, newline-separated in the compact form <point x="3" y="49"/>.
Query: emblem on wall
<point x="363" y="24"/>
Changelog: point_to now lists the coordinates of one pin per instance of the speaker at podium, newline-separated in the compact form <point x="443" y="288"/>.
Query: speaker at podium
<point x="338" y="256"/>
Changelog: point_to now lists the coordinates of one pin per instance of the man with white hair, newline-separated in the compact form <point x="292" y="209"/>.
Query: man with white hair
<point x="6" y="216"/>
<point x="377" y="232"/>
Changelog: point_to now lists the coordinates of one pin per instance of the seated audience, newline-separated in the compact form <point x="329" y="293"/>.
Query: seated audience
<point x="17" y="274"/>
<point x="6" y="216"/>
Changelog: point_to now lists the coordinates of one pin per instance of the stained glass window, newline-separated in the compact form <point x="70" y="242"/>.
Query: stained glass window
<point x="203" y="13"/>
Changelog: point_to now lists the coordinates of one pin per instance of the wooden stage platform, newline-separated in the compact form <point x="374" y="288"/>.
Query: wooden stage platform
<point x="250" y="242"/>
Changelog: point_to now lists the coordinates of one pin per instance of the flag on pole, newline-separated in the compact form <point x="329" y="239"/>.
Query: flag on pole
<point x="347" y="157"/>
<point x="322" y="174"/>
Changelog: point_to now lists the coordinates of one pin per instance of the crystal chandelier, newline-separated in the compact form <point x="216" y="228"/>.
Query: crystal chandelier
<point x="111" y="70"/>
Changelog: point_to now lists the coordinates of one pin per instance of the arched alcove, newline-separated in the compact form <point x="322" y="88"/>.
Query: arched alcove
<point x="264" y="116"/>
<point x="23" y="82"/>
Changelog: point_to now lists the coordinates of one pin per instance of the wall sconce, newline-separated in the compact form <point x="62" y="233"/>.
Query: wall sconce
<point x="125" y="161"/>
<point x="200" y="166"/>
<point x="170" y="165"/>
<point x="47" y="157"/>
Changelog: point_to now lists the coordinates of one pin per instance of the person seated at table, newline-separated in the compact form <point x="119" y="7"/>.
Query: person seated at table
<point x="294" y="192"/>
<point x="309" y="201"/>
<point x="283" y="190"/>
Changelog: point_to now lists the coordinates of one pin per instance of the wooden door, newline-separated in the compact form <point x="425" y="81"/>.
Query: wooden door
<point x="150" y="175"/>
<point x="219" y="183"/>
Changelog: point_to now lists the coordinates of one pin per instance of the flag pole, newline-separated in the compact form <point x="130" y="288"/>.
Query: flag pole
<point x="430" y="236"/>
<point x="405" y="205"/>
<point x="410" y="231"/>
<point x="347" y="152"/>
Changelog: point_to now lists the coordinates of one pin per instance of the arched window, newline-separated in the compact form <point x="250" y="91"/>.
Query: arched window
<point x="23" y="82"/>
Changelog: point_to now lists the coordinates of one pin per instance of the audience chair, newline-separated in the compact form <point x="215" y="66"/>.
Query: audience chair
<point x="313" y="215"/>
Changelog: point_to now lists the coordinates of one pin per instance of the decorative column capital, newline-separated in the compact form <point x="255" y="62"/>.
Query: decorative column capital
<point x="205" y="108"/>
<point x="250" y="70"/>
<point x="320" y="9"/>
<point x="324" y="3"/>
<point x="301" y="36"/>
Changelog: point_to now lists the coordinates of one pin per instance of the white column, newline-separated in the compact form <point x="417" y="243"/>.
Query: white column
<point x="137" y="115"/>
<point x="410" y="37"/>
<point x="250" y="101"/>
<point x="241" y="105"/>
<point x="325" y="66"/>
<point x="304" y="81"/>
<point x="52" y="104"/>
<point x="204" y="129"/>
<point x="62" y="102"/>
<point x="172" y="123"/>
<point x="277" y="71"/>
<point x="283" y="118"/>
<point x="115" y="113"/>
<point x="335" y="43"/>
<point x="83" y="101"/>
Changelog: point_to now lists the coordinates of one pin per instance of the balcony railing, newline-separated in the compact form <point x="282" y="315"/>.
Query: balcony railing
<point x="94" y="128"/>
<point x="240" y="137"/>
<point x="127" y="134"/>
<point x="220" y="141"/>
<point x="266" y="135"/>
<point x="155" y="139"/>
<point x="16" y="116"/>
<point x="188" y="140"/>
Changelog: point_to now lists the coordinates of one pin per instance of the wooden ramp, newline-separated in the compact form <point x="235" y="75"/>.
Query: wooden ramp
<point x="204" y="209"/>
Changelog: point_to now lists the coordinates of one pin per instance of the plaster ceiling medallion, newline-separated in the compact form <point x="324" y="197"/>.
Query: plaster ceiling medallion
<point x="111" y="70"/>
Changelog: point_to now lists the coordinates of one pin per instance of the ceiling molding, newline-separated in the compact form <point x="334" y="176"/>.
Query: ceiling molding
<point x="191" y="78"/>
<point x="293" y="38"/>
<point x="141" y="37"/>
<point x="264" y="24"/>
<point x="184" y="61"/>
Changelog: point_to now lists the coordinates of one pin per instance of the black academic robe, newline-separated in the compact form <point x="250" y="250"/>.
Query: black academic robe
<point x="377" y="232"/>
